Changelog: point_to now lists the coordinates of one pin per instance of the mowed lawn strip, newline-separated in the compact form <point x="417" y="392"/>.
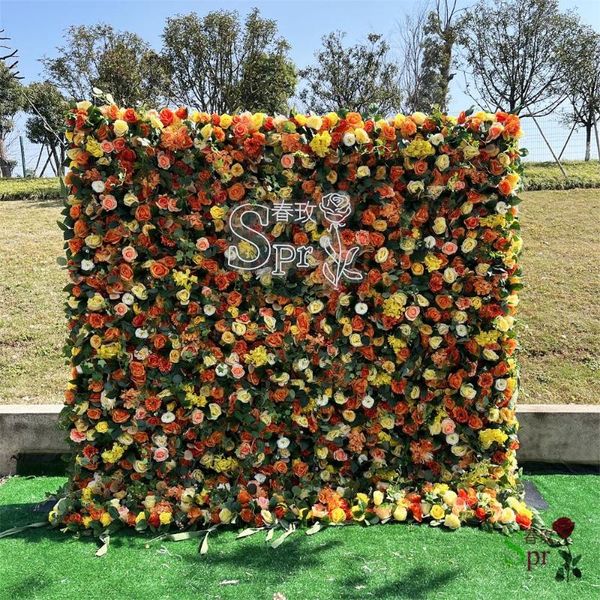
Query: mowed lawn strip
<point x="32" y="322"/>
<point x="560" y="306"/>
<point x="559" y="310"/>
<point x="383" y="562"/>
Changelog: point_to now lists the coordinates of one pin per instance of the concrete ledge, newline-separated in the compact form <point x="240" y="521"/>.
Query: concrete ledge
<point x="563" y="433"/>
<point x="559" y="433"/>
<point x="29" y="428"/>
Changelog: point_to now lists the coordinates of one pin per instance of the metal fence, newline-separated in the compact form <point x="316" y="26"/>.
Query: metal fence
<point x="557" y="134"/>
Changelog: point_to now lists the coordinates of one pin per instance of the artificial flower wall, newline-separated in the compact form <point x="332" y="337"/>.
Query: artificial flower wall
<point x="291" y="319"/>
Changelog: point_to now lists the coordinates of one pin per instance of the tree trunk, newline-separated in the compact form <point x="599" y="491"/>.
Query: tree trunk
<point x="57" y="161"/>
<point x="6" y="166"/>
<point x="588" y="141"/>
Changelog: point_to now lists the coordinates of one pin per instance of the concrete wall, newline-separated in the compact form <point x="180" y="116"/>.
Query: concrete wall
<point x="566" y="433"/>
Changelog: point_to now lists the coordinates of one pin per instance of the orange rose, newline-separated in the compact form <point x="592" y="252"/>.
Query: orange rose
<point x="80" y="228"/>
<point x="408" y="128"/>
<point x="137" y="370"/>
<point x="236" y="192"/>
<point x="120" y="415"/>
<point x="420" y="167"/>
<point x="125" y="272"/>
<point x="158" y="270"/>
<point x="280" y="467"/>
<point x="354" y="119"/>
<point x="143" y="213"/>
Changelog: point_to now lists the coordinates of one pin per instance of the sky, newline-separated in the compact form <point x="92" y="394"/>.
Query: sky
<point x="36" y="27"/>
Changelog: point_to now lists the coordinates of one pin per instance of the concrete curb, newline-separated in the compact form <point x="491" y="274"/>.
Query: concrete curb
<point x="563" y="433"/>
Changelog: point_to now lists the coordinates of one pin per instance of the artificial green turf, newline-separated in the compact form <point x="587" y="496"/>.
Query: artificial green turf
<point x="382" y="562"/>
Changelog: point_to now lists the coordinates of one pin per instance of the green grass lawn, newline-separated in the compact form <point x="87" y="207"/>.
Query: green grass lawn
<point x="381" y="562"/>
<point x="21" y="189"/>
<point x="560" y="312"/>
<point x="548" y="176"/>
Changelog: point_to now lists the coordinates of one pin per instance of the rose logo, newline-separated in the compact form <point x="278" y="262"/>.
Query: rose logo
<point x="336" y="208"/>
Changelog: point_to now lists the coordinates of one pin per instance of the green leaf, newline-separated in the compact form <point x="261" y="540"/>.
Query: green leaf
<point x="577" y="573"/>
<point x="204" y="545"/>
<point x="283" y="537"/>
<point x="15" y="530"/>
<point x="104" y="548"/>
<point x="576" y="560"/>
<point x="248" y="532"/>
<point x="314" y="529"/>
<point x="184" y="535"/>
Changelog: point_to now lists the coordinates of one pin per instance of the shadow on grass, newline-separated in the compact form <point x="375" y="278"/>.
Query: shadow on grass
<point x="27" y="588"/>
<point x="418" y="583"/>
<point x="52" y="202"/>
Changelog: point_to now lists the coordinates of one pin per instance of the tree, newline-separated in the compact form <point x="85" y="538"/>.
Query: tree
<point x="511" y="48"/>
<point x="119" y="63"/>
<point x="9" y="56"/>
<point x="440" y="35"/>
<point x="580" y="63"/>
<point x="357" y="78"/>
<point x="411" y="33"/>
<point x="10" y="103"/>
<point x="219" y="64"/>
<point x="47" y="107"/>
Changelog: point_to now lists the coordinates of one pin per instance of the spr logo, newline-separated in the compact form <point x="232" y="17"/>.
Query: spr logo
<point x="252" y="249"/>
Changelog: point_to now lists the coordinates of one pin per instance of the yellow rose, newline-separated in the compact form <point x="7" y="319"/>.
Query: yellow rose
<point x="258" y="120"/>
<point x="121" y="127"/>
<point x="320" y="143"/>
<point x="452" y="521"/>
<point x="225" y="515"/>
<point x="398" y="120"/>
<point x="322" y="453"/>
<point x="378" y="497"/>
<point x="314" y="122"/>
<point x="315" y="306"/>
<point x="165" y="518"/>
<point x="437" y="512"/>
<point x="225" y="121"/>
<point x="215" y="410"/>
<point x="382" y="255"/>
<point x="109" y="350"/>
<point x="387" y="422"/>
<point x="450" y="498"/>
<point x="355" y="340"/>
<point x="362" y="137"/>
<point x="419" y="117"/>
<point x="183" y="296"/>
<point x="87" y="521"/>
<point x="217" y="212"/>
<point x="333" y="118"/>
<point x="102" y="427"/>
<point x="338" y="515"/>
<point x="93" y="241"/>
<point x="439" y="225"/>
<point x="300" y="119"/>
<point x="400" y="513"/>
<point x="105" y="519"/>
<point x="442" y="162"/>
<point x="507" y="516"/>
<point x="94" y="148"/>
